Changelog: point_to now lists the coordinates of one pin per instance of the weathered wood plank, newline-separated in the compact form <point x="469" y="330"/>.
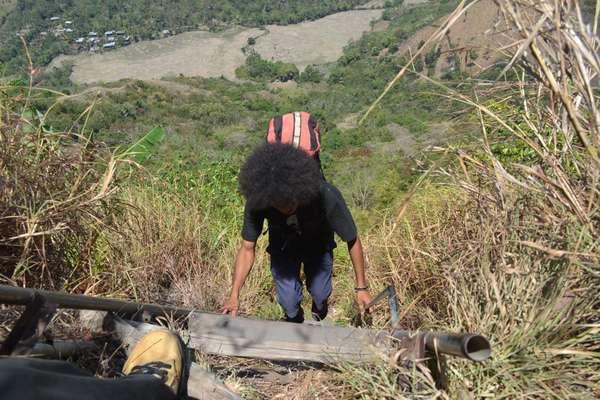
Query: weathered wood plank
<point x="274" y="340"/>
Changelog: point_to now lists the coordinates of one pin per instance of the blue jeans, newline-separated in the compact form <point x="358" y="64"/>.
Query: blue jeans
<point x="318" y="269"/>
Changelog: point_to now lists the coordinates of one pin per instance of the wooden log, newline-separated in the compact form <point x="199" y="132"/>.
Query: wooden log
<point x="61" y="348"/>
<point x="17" y="295"/>
<point x="202" y="384"/>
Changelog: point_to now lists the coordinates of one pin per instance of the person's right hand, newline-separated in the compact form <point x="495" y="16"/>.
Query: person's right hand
<point x="231" y="306"/>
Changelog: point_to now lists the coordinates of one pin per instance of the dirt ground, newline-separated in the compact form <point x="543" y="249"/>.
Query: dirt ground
<point x="209" y="54"/>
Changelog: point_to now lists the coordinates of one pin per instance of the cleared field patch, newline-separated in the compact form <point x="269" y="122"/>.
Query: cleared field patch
<point x="315" y="42"/>
<point x="191" y="54"/>
<point x="210" y="54"/>
<point x="7" y="6"/>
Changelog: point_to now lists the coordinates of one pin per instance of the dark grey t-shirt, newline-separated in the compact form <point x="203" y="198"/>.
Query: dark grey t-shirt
<point x="309" y="230"/>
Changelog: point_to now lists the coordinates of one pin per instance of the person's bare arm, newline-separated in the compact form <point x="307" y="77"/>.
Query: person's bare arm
<point x="363" y="297"/>
<point x="243" y="265"/>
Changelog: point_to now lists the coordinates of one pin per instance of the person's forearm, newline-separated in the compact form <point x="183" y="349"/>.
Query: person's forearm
<point x="358" y="262"/>
<point x="243" y="264"/>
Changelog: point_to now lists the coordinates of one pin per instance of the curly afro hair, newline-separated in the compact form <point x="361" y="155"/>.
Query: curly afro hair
<point x="279" y="174"/>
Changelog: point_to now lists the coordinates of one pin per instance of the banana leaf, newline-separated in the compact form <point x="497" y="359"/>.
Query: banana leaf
<point x="141" y="150"/>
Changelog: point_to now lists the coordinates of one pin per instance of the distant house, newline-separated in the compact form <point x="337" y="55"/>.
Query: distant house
<point x="54" y="19"/>
<point x="79" y="40"/>
<point x="69" y="30"/>
<point x="127" y="38"/>
<point x="110" y="45"/>
<point x="166" y="32"/>
<point x="109" y="33"/>
<point x="92" y="40"/>
<point x="110" y="39"/>
<point x="68" y="22"/>
<point x="93" y="34"/>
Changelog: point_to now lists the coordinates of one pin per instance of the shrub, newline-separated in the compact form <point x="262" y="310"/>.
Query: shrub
<point x="312" y="74"/>
<point x="256" y="68"/>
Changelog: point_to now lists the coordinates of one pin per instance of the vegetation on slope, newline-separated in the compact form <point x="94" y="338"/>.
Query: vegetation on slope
<point x="508" y="245"/>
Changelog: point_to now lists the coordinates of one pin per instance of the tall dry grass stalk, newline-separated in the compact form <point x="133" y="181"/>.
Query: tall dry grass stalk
<point x="56" y="194"/>
<point x="510" y="247"/>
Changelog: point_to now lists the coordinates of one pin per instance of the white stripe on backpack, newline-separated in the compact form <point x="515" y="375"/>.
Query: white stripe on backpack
<point x="297" y="121"/>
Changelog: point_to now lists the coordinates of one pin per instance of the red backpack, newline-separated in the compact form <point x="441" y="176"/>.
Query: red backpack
<point x="299" y="129"/>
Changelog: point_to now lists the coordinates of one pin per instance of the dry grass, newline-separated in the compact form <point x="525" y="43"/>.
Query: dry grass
<point x="174" y="250"/>
<point x="55" y="194"/>
<point x="510" y="247"/>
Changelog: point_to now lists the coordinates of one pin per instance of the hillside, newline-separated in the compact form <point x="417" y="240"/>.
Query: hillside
<point x="215" y="54"/>
<point x="347" y="87"/>
<point x="468" y="48"/>
<point x="51" y="27"/>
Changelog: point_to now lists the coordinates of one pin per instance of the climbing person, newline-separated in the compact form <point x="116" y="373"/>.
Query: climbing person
<point x="155" y="370"/>
<point x="282" y="182"/>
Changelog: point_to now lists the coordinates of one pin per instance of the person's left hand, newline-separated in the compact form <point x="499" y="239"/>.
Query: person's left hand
<point x="363" y="298"/>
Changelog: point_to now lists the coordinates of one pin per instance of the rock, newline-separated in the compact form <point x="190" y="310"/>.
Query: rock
<point x="92" y="320"/>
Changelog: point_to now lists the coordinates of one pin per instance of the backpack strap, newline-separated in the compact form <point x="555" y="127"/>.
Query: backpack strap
<point x="313" y="130"/>
<point x="278" y="125"/>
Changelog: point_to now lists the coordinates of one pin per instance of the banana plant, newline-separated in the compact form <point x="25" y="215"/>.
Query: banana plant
<point x="141" y="150"/>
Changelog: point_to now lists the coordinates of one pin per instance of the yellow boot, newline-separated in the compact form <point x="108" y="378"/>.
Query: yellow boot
<point x="161" y="354"/>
